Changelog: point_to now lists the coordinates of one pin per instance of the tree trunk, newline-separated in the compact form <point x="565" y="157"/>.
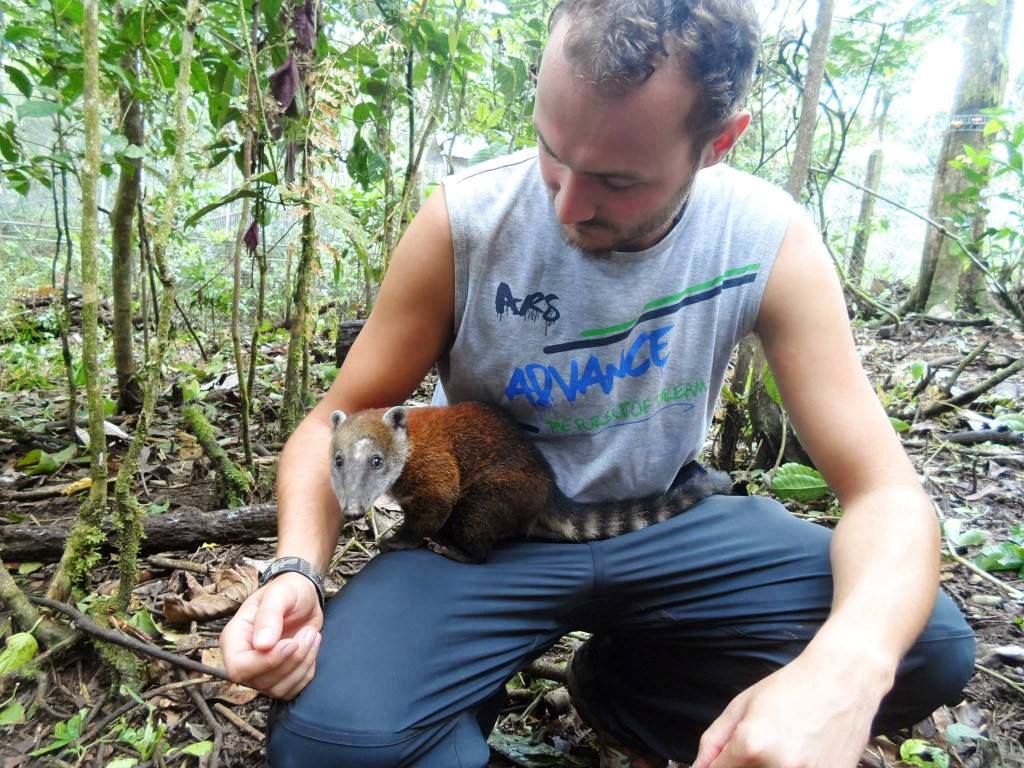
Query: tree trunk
<point x="809" y="101"/>
<point x="982" y="83"/>
<point x="182" y="528"/>
<point x="80" y="553"/>
<point x="251" y="119"/>
<point x="128" y="513"/>
<point x="293" y="407"/>
<point x="867" y="203"/>
<point x="122" y="217"/>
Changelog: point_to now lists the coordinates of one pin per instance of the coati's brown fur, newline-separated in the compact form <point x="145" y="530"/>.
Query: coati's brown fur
<point x="467" y="478"/>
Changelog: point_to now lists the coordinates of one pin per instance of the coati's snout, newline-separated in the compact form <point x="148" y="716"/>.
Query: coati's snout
<point x="368" y="453"/>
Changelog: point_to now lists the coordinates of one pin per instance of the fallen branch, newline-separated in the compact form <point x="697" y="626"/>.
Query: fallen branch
<point x="238" y="722"/>
<point x="947" y="386"/>
<point x="86" y="624"/>
<point x="150" y="694"/>
<point x="26" y="617"/>
<point x="184" y="528"/>
<point x="546" y="670"/>
<point x="973" y="394"/>
<point x="236" y="485"/>
<point x="211" y="721"/>
<point x="985" y="436"/>
<point x="972" y="322"/>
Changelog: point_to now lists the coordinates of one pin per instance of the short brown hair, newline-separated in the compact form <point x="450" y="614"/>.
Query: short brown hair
<point x="616" y="45"/>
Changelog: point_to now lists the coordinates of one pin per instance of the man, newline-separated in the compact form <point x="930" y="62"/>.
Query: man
<point x="595" y="290"/>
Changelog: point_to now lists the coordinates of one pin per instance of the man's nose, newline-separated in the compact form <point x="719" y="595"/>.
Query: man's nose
<point x="573" y="200"/>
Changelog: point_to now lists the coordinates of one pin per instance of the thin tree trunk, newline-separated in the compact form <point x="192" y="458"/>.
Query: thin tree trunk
<point x="81" y="552"/>
<point x="296" y="371"/>
<point x="128" y="513"/>
<point x="64" y="314"/>
<point x="293" y="407"/>
<point x="982" y="83"/>
<point x="809" y="101"/>
<point x="865" y="220"/>
<point x="243" y="224"/>
<point x="122" y="234"/>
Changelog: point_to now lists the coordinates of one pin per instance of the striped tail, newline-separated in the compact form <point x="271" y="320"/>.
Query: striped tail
<point x="567" y="520"/>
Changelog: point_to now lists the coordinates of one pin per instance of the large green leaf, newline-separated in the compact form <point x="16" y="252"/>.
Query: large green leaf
<point x="798" y="482"/>
<point x="228" y="198"/>
<point x="38" y="108"/>
<point x="21" y="649"/>
<point x="20" y="80"/>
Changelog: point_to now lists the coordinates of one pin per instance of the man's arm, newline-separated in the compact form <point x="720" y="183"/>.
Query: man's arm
<point x="271" y="642"/>
<point x="407" y="331"/>
<point x="885" y="551"/>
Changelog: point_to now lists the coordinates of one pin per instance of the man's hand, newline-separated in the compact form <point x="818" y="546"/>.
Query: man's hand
<point x="805" y="715"/>
<point x="272" y="641"/>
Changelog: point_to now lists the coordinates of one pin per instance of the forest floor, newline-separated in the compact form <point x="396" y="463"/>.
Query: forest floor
<point x="70" y="706"/>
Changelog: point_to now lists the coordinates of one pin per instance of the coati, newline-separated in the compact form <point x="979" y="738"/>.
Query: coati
<point x="466" y="478"/>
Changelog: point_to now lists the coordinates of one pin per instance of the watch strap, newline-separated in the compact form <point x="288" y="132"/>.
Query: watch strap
<point x="293" y="564"/>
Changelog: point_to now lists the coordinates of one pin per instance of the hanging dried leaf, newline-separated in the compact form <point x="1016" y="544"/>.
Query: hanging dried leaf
<point x="304" y="24"/>
<point x="284" y="83"/>
<point x="252" y="237"/>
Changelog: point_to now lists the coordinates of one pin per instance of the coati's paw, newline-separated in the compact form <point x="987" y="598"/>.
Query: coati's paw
<point x="451" y="552"/>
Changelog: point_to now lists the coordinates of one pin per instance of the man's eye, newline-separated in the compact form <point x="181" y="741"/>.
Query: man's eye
<point x="619" y="185"/>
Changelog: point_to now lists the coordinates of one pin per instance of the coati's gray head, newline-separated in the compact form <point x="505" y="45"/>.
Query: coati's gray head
<point x="368" y="452"/>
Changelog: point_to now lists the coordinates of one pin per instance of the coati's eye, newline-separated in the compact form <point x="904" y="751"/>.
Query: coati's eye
<point x="338" y="461"/>
<point x="376" y="462"/>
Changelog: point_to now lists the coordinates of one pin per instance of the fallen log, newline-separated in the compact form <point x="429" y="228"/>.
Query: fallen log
<point x="182" y="528"/>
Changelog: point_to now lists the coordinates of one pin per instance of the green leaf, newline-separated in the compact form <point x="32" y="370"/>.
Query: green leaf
<point x="21" y="649"/>
<point x="16" y="32"/>
<point x="957" y="733"/>
<point x="798" y="482"/>
<point x="144" y="621"/>
<point x="228" y="198"/>
<point x="898" y="424"/>
<point x="134" y="152"/>
<point x="199" y="749"/>
<point x="20" y="80"/>
<point x="271" y="9"/>
<point x="922" y="754"/>
<point x="12" y="714"/>
<point x="1015" y="421"/>
<point x="37" y="108"/>
<point x="71" y="10"/>
<point x="26" y="568"/>
<point x="771" y="387"/>
<point x="1006" y="556"/>
<point x="918" y="368"/>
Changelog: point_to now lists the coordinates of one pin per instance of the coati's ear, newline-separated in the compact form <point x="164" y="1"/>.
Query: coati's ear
<point x="396" y="417"/>
<point x="337" y="418"/>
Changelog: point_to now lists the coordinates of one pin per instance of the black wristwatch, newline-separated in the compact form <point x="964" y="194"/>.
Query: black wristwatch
<point x="292" y="564"/>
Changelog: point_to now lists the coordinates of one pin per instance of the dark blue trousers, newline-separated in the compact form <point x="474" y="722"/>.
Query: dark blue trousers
<point x="686" y="614"/>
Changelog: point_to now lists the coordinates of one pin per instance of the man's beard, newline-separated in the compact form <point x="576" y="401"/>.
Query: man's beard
<point x="663" y="220"/>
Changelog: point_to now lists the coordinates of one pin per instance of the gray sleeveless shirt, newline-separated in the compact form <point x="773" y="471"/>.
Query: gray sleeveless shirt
<point x="612" y="365"/>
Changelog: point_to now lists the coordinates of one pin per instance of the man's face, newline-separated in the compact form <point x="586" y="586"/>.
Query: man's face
<point x="618" y="168"/>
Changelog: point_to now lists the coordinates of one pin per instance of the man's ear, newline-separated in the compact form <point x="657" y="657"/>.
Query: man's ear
<point x="725" y="139"/>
